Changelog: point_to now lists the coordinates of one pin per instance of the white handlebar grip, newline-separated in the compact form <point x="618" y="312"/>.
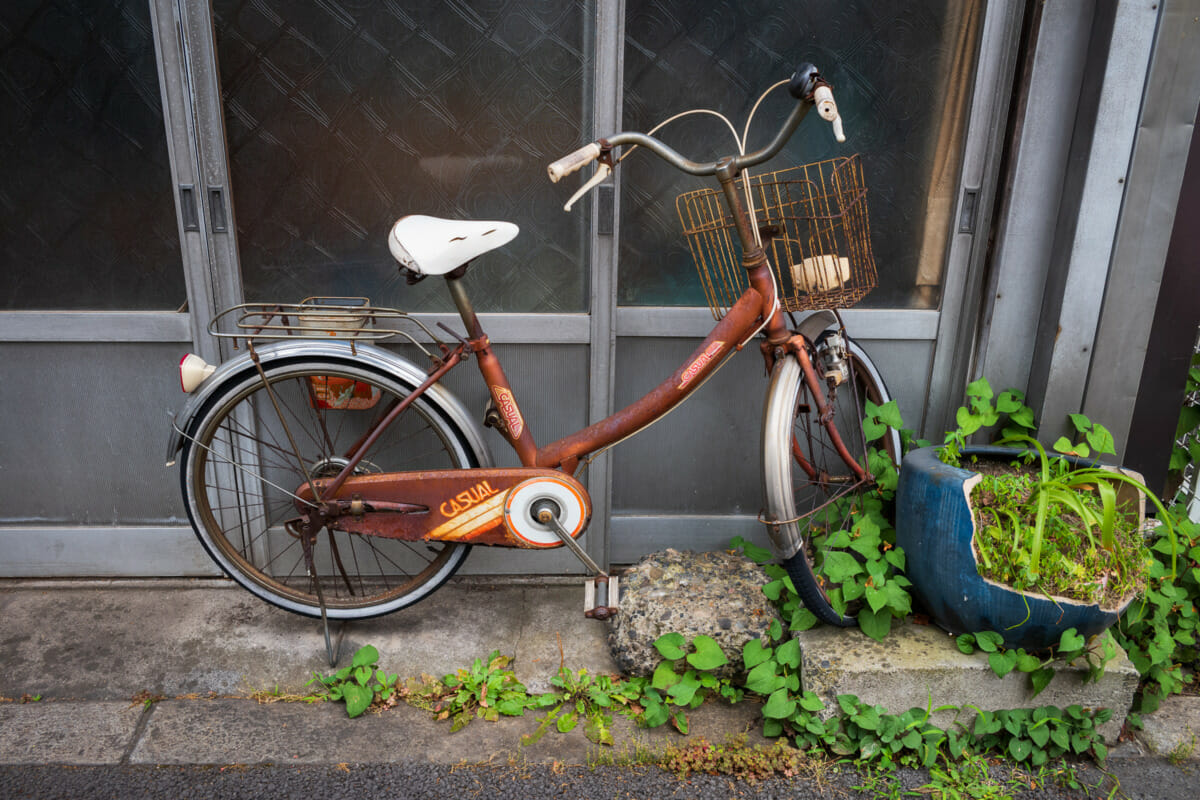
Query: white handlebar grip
<point x="570" y="163"/>
<point x="827" y="108"/>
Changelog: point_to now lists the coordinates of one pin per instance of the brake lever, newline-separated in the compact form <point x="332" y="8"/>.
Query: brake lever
<point x="601" y="175"/>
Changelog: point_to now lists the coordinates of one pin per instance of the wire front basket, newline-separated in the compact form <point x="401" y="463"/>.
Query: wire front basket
<point x="815" y="232"/>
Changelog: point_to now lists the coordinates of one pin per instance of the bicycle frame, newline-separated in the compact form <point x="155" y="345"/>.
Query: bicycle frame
<point x="756" y="310"/>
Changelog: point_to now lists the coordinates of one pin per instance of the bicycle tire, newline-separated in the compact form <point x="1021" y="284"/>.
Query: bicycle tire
<point x="806" y="507"/>
<point x="239" y="472"/>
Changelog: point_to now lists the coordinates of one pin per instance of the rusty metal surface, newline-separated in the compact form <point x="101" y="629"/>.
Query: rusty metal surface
<point x="465" y="506"/>
<point x="730" y="332"/>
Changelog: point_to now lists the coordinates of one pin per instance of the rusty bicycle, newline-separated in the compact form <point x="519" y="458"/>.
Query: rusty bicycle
<point x="333" y="477"/>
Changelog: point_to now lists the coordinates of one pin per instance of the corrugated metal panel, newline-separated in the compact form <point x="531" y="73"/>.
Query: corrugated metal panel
<point x="697" y="471"/>
<point x="84" y="432"/>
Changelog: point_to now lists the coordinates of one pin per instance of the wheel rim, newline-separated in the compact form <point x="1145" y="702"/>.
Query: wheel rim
<point x="243" y="512"/>
<point x="824" y="495"/>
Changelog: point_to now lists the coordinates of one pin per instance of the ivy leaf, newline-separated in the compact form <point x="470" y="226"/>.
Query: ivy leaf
<point x="810" y="702"/>
<point x="762" y="679"/>
<point x="1020" y="749"/>
<point x="685" y="690"/>
<point x="966" y="643"/>
<point x="839" y="566"/>
<point x="779" y="705"/>
<point x="1009" y="401"/>
<point x="1024" y="417"/>
<point x="1026" y="662"/>
<point x="656" y="713"/>
<point x="988" y="641"/>
<point x="967" y="422"/>
<point x="873" y="430"/>
<point x="803" y="620"/>
<point x="664" y="676"/>
<point x="708" y="653"/>
<point x="875" y="624"/>
<point x="1070" y="641"/>
<point x="897" y="599"/>
<point x="1061" y="736"/>
<point x="1040" y="679"/>
<point x="889" y="414"/>
<point x="788" y="653"/>
<point x="1067" y="447"/>
<point x="1040" y="735"/>
<point x="876" y="598"/>
<point x="1101" y="439"/>
<point x="670" y="646"/>
<point x="754" y="653"/>
<point x="980" y="388"/>
<point x="759" y="555"/>
<point x="1002" y="662"/>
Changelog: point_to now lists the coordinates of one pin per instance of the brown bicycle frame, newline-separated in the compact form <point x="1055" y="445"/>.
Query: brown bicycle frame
<point x="736" y="327"/>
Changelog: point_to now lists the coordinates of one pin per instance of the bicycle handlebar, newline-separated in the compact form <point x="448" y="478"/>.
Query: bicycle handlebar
<point x="806" y="85"/>
<point x="575" y="161"/>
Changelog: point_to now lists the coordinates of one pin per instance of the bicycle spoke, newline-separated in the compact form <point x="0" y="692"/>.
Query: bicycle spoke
<point x="247" y="469"/>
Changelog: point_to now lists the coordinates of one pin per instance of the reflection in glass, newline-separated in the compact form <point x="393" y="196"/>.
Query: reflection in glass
<point x="87" y="218"/>
<point x="343" y="116"/>
<point x="902" y="73"/>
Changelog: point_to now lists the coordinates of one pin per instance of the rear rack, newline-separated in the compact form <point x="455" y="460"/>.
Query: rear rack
<point x="352" y="318"/>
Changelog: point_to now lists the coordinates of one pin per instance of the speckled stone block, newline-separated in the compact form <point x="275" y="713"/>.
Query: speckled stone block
<point x="716" y="594"/>
<point x="919" y="665"/>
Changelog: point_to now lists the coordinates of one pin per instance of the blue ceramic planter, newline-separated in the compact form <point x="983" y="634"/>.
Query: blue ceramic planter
<point x="934" y="525"/>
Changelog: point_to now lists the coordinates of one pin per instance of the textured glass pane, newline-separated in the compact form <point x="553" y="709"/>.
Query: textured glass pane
<point x="343" y="116"/>
<point x="902" y="76"/>
<point x="87" y="216"/>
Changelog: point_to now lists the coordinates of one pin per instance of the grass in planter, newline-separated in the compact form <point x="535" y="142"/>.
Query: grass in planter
<point x="1044" y="524"/>
<point x="1069" y="564"/>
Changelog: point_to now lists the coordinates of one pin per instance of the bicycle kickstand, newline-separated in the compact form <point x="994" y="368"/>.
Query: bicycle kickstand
<point x="600" y="589"/>
<point x="306" y="542"/>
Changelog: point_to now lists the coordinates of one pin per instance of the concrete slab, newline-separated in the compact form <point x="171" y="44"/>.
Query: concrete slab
<point x="917" y="664"/>
<point x="1174" y="729"/>
<point x="67" y="733"/>
<point x="175" y="638"/>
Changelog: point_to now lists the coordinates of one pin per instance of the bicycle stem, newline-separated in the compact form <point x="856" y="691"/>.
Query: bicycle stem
<point x="754" y="260"/>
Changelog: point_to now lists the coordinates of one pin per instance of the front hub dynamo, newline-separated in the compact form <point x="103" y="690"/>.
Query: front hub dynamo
<point x="529" y="500"/>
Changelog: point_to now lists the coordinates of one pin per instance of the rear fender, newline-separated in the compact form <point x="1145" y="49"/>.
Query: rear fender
<point x="362" y="355"/>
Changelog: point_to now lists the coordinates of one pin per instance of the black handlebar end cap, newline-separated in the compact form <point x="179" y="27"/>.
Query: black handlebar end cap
<point x="803" y="82"/>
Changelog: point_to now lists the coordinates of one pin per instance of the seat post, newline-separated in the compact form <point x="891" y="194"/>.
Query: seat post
<point x="458" y="293"/>
<point x="507" y="417"/>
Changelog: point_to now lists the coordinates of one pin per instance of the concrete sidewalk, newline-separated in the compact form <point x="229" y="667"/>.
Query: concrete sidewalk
<point x="88" y="648"/>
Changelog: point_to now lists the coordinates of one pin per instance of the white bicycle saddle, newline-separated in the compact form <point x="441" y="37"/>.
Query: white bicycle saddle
<point x="435" y="246"/>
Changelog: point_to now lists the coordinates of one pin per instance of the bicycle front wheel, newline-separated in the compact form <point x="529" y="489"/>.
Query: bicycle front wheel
<point x="249" y="450"/>
<point x="811" y="492"/>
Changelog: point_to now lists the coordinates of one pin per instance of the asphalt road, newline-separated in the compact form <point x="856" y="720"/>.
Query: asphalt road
<point x="1140" y="778"/>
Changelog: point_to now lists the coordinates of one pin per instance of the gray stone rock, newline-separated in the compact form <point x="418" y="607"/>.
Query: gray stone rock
<point x="715" y="594"/>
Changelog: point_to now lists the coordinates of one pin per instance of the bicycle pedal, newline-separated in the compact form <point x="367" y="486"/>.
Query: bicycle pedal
<point x="600" y="597"/>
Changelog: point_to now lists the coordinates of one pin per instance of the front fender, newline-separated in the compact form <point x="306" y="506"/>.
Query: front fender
<point x="362" y="355"/>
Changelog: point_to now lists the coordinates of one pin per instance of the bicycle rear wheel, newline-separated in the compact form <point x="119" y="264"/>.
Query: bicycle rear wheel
<point x="249" y="450"/>
<point x="811" y="492"/>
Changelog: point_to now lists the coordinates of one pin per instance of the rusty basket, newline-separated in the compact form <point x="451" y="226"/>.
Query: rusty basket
<point x="815" y="232"/>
